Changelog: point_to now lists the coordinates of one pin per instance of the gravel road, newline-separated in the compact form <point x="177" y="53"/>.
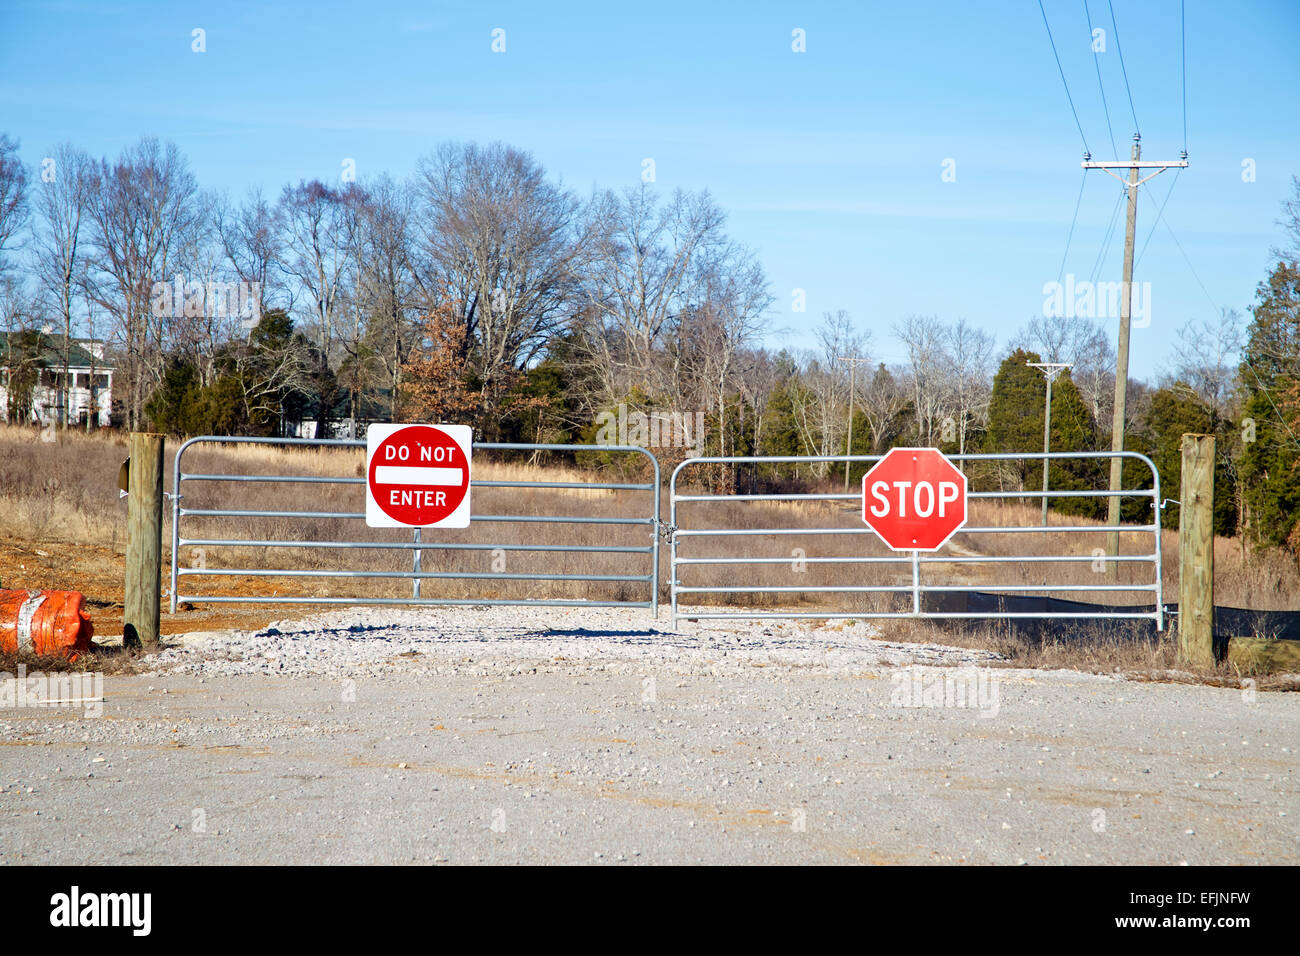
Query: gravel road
<point x="543" y="735"/>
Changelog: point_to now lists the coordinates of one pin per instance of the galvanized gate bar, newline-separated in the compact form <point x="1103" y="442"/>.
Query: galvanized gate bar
<point x="313" y="479"/>
<point x="514" y="519"/>
<point x="916" y="589"/>
<point x="928" y="559"/>
<point x="840" y="496"/>
<point x="418" y="545"/>
<point x="418" y="575"/>
<point x="1027" y="529"/>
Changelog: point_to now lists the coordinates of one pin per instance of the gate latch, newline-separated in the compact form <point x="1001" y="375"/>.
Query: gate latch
<point x="666" y="531"/>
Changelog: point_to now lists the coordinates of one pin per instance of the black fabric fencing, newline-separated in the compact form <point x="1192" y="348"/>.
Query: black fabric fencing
<point x="1229" y="622"/>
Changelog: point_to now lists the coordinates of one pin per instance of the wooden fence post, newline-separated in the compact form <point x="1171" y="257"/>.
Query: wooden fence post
<point x="1196" y="552"/>
<point x="143" y="540"/>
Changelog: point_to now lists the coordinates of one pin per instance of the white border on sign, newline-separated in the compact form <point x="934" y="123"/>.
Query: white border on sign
<point x="965" y="499"/>
<point x="462" y="435"/>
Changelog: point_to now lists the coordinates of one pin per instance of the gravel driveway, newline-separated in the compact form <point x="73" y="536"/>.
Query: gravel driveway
<point x="545" y="735"/>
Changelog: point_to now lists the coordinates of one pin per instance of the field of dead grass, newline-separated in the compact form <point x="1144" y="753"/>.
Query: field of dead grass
<point x="63" y="526"/>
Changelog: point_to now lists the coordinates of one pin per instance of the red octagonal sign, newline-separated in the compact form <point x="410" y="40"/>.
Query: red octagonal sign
<point x="914" y="498"/>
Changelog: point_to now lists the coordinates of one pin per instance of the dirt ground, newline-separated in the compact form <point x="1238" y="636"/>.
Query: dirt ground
<point x="99" y="574"/>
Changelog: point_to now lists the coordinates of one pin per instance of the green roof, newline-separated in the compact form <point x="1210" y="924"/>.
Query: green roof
<point x="52" y="352"/>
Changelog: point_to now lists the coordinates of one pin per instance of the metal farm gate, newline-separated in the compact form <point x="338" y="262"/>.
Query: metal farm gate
<point x="246" y="517"/>
<point x="740" y="526"/>
<point x="266" y="535"/>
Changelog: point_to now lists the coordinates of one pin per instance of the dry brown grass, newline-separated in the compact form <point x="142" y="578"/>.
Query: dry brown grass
<point x="65" y="527"/>
<point x="111" y="660"/>
<point x="1118" y="648"/>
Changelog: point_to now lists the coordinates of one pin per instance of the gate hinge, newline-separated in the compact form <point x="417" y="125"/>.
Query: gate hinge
<point x="1169" y="501"/>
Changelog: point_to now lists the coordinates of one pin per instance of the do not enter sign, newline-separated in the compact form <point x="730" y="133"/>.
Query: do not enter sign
<point x="417" y="476"/>
<point x="914" y="498"/>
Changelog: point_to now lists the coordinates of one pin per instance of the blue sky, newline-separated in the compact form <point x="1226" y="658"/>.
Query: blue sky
<point x="828" y="162"/>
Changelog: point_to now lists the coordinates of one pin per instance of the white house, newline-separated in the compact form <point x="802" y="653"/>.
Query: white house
<point x="88" y="390"/>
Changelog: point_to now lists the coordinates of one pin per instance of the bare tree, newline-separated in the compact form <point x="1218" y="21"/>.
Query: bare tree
<point x="1290" y="223"/>
<point x="62" y="203"/>
<point x="882" y="396"/>
<point x="821" y="402"/>
<point x="141" y="208"/>
<point x="758" y="379"/>
<point x="1206" y="358"/>
<point x="499" y="240"/>
<point x="22" y="352"/>
<point x="735" y="298"/>
<point x="13" y="194"/>
<point x="212" y="313"/>
<point x="359" y="366"/>
<point x="924" y="336"/>
<point x="319" y="245"/>
<point x="251" y="238"/>
<point x="1085" y="344"/>
<point x="969" y="361"/>
<point x="389" y="282"/>
<point x="1094" y="375"/>
<point x="643" y="271"/>
<point x="273" y="365"/>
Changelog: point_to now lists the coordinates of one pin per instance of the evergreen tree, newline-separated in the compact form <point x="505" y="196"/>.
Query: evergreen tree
<point x="1270" y="377"/>
<point x="173" y="406"/>
<point x="1016" y="425"/>
<point x="1174" y="411"/>
<point x="780" y="434"/>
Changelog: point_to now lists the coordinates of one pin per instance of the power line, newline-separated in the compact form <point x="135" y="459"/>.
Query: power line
<point x="1109" y="238"/>
<point x="1061" y="272"/>
<point x="1104" y="248"/>
<point x="1159" y="213"/>
<point x="1061" y="70"/>
<point x="1106" y="240"/>
<point x="1209" y="298"/>
<point x="1119" y="49"/>
<point x="1097" y="63"/>
<point x="1218" y="310"/>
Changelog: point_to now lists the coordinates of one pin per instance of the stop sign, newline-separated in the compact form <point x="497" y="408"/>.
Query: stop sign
<point x="417" y="476"/>
<point x="914" y="498"/>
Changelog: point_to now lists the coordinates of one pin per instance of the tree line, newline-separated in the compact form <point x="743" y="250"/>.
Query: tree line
<point x="482" y="290"/>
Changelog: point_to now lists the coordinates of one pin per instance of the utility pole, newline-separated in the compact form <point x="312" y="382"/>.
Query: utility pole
<point x="1050" y="370"/>
<point x="853" y="361"/>
<point x="1134" y="165"/>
